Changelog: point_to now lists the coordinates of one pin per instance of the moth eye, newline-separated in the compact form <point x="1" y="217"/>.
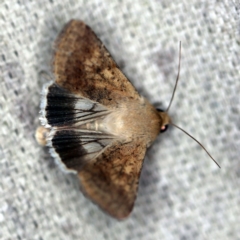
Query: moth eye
<point x="165" y="127"/>
<point x="159" y="110"/>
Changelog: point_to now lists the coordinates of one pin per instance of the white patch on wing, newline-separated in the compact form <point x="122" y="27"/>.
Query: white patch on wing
<point x="92" y="147"/>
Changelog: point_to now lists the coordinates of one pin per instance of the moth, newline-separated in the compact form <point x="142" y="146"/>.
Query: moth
<point x="95" y="122"/>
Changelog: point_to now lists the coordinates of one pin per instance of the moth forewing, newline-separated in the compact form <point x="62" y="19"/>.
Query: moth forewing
<point x="111" y="180"/>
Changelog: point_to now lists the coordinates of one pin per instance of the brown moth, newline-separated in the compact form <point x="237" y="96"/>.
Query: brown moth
<point x="95" y="122"/>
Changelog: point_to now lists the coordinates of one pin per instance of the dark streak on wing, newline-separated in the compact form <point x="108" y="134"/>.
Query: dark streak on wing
<point x="60" y="106"/>
<point x="67" y="144"/>
<point x="75" y="148"/>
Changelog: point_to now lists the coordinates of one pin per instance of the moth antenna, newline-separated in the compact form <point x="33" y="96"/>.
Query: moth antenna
<point x="175" y="87"/>
<point x="197" y="142"/>
<point x="174" y="90"/>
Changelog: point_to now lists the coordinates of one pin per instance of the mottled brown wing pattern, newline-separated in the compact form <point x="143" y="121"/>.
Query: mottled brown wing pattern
<point x="100" y="127"/>
<point x="83" y="66"/>
<point x="111" y="180"/>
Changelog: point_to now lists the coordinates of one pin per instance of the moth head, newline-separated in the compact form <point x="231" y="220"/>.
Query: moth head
<point x="166" y="120"/>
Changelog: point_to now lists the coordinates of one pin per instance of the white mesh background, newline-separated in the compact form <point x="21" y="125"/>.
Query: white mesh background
<point x="182" y="194"/>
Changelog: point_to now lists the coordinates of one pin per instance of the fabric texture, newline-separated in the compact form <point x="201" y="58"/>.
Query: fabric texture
<point x="182" y="193"/>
